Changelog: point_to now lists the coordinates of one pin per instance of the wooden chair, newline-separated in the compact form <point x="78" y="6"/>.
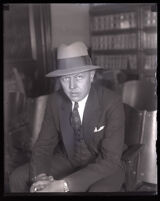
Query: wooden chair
<point x="140" y="100"/>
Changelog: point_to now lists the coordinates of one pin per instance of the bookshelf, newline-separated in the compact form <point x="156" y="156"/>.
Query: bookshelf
<point x="124" y="37"/>
<point x="149" y="40"/>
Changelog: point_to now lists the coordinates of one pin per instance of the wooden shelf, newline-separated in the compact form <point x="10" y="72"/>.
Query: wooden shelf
<point x="113" y="8"/>
<point x="150" y="29"/>
<point x="114" y="31"/>
<point x="150" y="51"/>
<point x="117" y="51"/>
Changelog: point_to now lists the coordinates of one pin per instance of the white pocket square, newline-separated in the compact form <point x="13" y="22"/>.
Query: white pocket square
<point x="99" y="129"/>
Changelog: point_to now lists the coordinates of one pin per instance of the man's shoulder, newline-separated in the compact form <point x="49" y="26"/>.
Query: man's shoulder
<point x="108" y="98"/>
<point x="53" y="98"/>
<point x="105" y="93"/>
<point x="55" y="94"/>
<point x="56" y="97"/>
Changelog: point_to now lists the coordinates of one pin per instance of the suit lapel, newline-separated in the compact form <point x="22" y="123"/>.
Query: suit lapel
<point x="65" y="108"/>
<point x="91" y="115"/>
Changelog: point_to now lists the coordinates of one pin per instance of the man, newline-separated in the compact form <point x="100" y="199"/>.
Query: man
<point x="81" y="140"/>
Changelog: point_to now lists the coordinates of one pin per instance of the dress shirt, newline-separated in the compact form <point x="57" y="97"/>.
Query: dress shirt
<point x="81" y="107"/>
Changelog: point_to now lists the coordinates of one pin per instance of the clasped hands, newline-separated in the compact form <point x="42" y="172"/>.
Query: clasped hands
<point x="44" y="183"/>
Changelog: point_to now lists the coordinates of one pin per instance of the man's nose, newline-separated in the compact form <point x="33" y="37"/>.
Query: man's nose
<point x="72" y="83"/>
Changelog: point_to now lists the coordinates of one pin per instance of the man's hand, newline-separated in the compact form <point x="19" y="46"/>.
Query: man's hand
<point x="53" y="186"/>
<point x="41" y="176"/>
<point x="41" y="181"/>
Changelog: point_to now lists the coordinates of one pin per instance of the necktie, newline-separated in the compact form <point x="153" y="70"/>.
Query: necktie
<point x="75" y="119"/>
<point x="81" y="153"/>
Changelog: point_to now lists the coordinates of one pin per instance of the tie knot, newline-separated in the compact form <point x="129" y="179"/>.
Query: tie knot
<point x="76" y="105"/>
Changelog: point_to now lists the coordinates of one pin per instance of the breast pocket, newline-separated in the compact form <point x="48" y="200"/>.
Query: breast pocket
<point x="98" y="136"/>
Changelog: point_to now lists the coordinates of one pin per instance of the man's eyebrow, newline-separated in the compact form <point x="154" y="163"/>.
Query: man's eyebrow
<point x="78" y="74"/>
<point x="81" y="73"/>
<point x="73" y="75"/>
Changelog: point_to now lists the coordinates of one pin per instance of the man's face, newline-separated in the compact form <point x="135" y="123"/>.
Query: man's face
<point x="77" y="86"/>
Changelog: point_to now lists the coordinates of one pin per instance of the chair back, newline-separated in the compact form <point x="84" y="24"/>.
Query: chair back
<point x="141" y="127"/>
<point x="140" y="94"/>
<point x="147" y="170"/>
<point x="133" y="125"/>
<point x="39" y="107"/>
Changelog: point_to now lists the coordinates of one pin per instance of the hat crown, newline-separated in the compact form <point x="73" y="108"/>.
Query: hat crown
<point x="76" y="49"/>
<point x="72" y="59"/>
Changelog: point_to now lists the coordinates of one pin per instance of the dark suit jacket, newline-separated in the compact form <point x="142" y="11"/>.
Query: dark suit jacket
<point x="103" y="108"/>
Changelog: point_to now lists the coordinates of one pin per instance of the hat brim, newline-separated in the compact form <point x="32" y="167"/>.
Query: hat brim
<point x="62" y="72"/>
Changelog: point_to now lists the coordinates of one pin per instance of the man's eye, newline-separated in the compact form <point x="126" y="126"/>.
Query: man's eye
<point x="79" y="77"/>
<point x="65" y="79"/>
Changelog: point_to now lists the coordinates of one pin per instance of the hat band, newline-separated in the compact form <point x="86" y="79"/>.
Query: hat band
<point x="73" y="62"/>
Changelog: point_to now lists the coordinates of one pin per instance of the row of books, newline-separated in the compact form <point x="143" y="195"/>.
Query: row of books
<point x="149" y="40"/>
<point x="114" y="21"/>
<point x="150" y="62"/>
<point x="150" y="18"/>
<point x="120" y="41"/>
<point x="116" y="62"/>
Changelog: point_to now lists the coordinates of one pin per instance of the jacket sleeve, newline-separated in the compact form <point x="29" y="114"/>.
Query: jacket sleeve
<point x="46" y="143"/>
<point x="109" y="157"/>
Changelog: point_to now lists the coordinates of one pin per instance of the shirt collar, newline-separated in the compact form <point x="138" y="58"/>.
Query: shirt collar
<point x="81" y="102"/>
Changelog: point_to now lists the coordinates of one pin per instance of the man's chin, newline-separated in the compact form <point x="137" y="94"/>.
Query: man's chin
<point x="75" y="99"/>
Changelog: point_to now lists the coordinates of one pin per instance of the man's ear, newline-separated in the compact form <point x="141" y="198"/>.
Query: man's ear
<point x="92" y="73"/>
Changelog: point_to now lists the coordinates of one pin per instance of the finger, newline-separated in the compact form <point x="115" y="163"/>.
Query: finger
<point x="33" y="189"/>
<point x="37" y="188"/>
<point x="43" y="190"/>
<point x="45" y="178"/>
<point x="43" y="175"/>
<point x="42" y="178"/>
<point x="51" y="178"/>
<point x="41" y="182"/>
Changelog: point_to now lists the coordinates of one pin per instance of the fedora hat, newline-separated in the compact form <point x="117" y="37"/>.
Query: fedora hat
<point x="71" y="59"/>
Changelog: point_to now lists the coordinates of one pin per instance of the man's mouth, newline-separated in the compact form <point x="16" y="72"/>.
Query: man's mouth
<point x="74" y="93"/>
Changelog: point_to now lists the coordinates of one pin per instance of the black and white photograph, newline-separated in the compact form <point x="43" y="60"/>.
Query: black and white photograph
<point x="80" y="98"/>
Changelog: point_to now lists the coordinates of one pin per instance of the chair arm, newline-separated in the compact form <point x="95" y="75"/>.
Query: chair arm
<point x="131" y="152"/>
